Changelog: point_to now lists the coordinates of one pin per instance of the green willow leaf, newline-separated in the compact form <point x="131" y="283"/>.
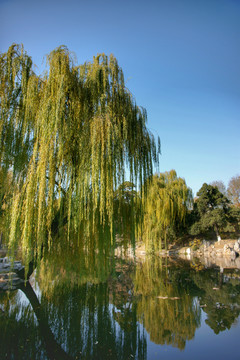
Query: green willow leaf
<point x="69" y="136"/>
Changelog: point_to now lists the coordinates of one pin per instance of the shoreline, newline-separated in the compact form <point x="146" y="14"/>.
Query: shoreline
<point x="224" y="253"/>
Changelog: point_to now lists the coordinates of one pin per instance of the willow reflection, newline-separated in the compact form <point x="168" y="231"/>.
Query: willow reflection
<point x="169" y="314"/>
<point x="20" y="337"/>
<point x="91" y="305"/>
<point x="80" y="297"/>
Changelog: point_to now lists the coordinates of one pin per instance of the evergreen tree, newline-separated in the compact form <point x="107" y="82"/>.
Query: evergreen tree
<point x="211" y="209"/>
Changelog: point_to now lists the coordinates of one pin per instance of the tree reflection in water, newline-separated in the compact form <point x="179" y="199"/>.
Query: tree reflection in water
<point x="169" y="313"/>
<point x="97" y="307"/>
<point x="19" y="332"/>
<point x="76" y="314"/>
<point x="221" y="295"/>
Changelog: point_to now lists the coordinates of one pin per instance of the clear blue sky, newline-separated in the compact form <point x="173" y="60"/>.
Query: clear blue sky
<point x="181" y="60"/>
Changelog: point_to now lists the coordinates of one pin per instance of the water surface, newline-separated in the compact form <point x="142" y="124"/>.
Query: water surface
<point x="106" y="308"/>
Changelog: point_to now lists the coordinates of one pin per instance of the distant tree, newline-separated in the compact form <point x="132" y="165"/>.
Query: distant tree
<point x="220" y="185"/>
<point x="126" y="209"/>
<point x="234" y="217"/>
<point x="166" y="206"/>
<point x="233" y="190"/>
<point x="125" y="193"/>
<point x="211" y="209"/>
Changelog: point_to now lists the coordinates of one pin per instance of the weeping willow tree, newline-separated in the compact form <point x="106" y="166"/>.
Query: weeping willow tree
<point x="166" y="205"/>
<point x="68" y="136"/>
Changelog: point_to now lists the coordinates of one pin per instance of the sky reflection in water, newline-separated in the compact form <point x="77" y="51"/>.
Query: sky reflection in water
<point x="96" y="307"/>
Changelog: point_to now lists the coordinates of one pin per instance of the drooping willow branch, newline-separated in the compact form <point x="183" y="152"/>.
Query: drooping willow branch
<point x="77" y="126"/>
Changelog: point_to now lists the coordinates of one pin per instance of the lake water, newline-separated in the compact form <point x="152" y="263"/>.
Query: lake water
<point x="102" y="308"/>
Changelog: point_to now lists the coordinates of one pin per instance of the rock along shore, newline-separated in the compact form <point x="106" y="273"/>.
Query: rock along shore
<point x="223" y="253"/>
<point x="9" y="280"/>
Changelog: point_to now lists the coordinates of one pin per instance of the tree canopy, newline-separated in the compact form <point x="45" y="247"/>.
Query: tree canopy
<point x="220" y="185"/>
<point x="68" y="137"/>
<point x="233" y="190"/>
<point x="211" y="208"/>
<point x="166" y="206"/>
